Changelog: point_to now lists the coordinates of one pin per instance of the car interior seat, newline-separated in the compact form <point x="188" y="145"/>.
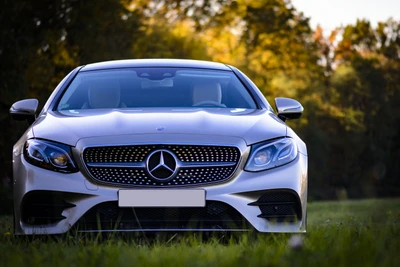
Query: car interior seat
<point x="207" y="94"/>
<point x="104" y="94"/>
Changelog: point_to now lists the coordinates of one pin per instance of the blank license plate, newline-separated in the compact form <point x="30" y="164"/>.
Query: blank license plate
<point x="162" y="198"/>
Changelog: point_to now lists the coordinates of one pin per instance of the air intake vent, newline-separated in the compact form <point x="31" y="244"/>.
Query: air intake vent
<point x="41" y="207"/>
<point x="214" y="216"/>
<point x="279" y="206"/>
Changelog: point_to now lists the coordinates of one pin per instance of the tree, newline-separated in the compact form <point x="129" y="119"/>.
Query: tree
<point x="41" y="41"/>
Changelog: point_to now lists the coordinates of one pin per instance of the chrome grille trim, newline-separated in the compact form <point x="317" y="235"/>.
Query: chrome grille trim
<point x="134" y="165"/>
<point x="206" y="164"/>
<point x="197" y="165"/>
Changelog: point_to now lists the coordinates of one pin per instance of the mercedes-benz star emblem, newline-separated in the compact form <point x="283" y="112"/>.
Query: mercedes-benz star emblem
<point x="162" y="165"/>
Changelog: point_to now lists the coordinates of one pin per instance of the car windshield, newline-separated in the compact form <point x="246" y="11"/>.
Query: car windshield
<point x="154" y="88"/>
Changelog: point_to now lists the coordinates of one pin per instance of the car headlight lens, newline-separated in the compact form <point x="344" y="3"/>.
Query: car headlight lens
<point x="49" y="155"/>
<point x="271" y="154"/>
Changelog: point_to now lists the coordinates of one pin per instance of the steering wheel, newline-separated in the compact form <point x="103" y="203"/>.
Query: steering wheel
<point x="209" y="103"/>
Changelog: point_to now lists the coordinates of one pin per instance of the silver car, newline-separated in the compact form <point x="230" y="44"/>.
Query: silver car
<point x="158" y="145"/>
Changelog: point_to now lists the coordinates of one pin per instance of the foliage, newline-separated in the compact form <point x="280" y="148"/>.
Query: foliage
<point x="348" y="80"/>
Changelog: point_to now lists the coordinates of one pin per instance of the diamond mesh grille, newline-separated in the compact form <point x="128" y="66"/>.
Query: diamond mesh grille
<point x="185" y="153"/>
<point x="116" y="154"/>
<point x="138" y="176"/>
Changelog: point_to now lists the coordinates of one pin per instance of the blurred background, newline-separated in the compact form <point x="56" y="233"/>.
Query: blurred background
<point x="346" y="76"/>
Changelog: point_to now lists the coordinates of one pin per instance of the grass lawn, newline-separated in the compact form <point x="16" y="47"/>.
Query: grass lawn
<point x="346" y="233"/>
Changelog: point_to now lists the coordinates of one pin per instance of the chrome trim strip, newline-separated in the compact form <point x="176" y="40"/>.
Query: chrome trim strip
<point x="206" y="164"/>
<point x="132" y="165"/>
<point x="135" y="165"/>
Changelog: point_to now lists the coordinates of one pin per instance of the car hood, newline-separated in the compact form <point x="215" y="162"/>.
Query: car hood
<point x="70" y="126"/>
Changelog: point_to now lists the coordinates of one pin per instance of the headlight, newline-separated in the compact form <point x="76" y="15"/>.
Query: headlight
<point x="49" y="155"/>
<point x="271" y="154"/>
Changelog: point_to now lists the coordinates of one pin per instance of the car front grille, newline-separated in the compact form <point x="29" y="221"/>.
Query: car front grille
<point x="215" y="215"/>
<point x="127" y="165"/>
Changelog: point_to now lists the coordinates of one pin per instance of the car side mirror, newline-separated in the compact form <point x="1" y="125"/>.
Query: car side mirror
<point x="288" y="109"/>
<point x="24" y="110"/>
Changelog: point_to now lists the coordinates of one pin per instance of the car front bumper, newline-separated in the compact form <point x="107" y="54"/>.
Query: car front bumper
<point x="81" y="193"/>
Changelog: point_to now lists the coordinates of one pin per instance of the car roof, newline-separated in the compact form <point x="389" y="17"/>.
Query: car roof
<point x="134" y="63"/>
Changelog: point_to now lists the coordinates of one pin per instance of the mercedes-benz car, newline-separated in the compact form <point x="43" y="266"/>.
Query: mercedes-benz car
<point x="158" y="145"/>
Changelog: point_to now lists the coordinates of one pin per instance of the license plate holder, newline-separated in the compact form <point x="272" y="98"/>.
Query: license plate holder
<point x="162" y="198"/>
